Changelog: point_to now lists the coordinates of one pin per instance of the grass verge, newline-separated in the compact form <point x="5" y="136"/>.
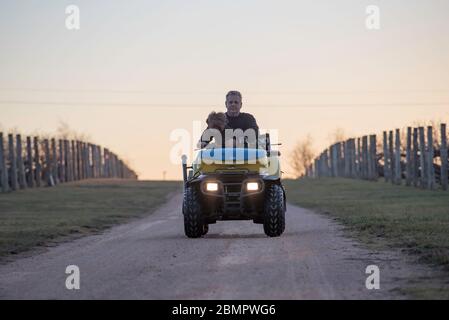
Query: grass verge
<point x="37" y="217"/>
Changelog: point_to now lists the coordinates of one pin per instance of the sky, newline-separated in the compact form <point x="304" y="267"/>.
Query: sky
<point x="136" y="71"/>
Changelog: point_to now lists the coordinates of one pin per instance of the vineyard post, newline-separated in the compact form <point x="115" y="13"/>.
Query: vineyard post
<point x="4" y="170"/>
<point x="20" y="164"/>
<point x="443" y="156"/>
<point x="12" y="162"/>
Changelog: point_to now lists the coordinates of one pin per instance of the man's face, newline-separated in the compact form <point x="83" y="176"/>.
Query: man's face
<point x="233" y="104"/>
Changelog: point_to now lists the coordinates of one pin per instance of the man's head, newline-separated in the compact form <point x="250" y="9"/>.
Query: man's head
<point x="217" y="120"/>
<point x="233" y="103"/>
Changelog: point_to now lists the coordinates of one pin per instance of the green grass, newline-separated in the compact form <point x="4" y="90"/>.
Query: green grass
<point x="36" y="217"/>
<point x="382" y="215"/>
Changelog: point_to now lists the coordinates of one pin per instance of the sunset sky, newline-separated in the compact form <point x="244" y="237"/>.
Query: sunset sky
<point x="137" y="70"/>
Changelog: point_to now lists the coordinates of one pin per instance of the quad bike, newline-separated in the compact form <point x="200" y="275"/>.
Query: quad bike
<point x="234" y="184"/>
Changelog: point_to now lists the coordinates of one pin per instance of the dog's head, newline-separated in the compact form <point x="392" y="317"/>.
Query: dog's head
<point x="217" y="120"/>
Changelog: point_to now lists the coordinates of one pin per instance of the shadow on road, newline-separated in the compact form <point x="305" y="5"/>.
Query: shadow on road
<point x="214" y="236"/>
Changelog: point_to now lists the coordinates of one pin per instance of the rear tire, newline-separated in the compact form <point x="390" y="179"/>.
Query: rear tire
<point x="274" y="211"/>
<point x="193" y="220"/>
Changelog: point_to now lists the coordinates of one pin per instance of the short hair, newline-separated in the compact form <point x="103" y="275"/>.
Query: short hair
<point x="234" y="93"/>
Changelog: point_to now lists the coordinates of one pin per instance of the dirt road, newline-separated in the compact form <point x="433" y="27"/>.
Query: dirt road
<point x="151" y="258"/>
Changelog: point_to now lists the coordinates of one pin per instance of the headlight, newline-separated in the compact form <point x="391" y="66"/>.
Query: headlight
<point x="211" y="186"/>
<point x="252" y="186"/>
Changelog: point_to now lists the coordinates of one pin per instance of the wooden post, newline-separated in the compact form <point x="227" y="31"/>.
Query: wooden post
<point x="12" y="162"/>
<point x="61" y="163"/>
<point x="90" y="158"/>
<point x="83" y="160"/>
<point x="415" y="160"/>
<point x="4" y="179"/>
<point x="79" y="163"/>
<point x="430" y="154"/>
<point x="345" y="159"/>
<point x="37" y="163"/>
<point x="70" y="161"/>
<point x="95" y="161"/>
<point x="351" y="158"/>
<point x="323" y="160"/>
<point x="331" y="161"/>
<point x="369" y="159"/>
<point x="422" y="158"/>
<point x="391" y="162"/>
<point x="121" y="168"/>
<point x="112" y="166"/>
<point x="66" y="161"/>
<point x="347" y="152"/>
<point x="73" y="160"/>
<point x="339" y="158"/>
<point x="80" y="154"/>
<point x="116" y="166"/>
<point x="116" y="162"/>
<point x="54" y="161"/>
<point x="334" y="161"/>
<point x="359" y="159"/>
<point x="443" y="157"/>
<point x="373" y="148"/>
<point x="397" y="158"/>
<point x="354" y="159"/>
<point x="386" y="158"/>
<point x="105" y="164"/>
<point x="326" y="165"/>
<point x="364" y="157"/>
<point x="29" y="166"/>
<point x="102" y="173"/>
<point x="20" y="164"/>
<point x="408" y="158"/>
<point x="318" y="167"/>
<point x="92" y="163"/>
<point x="98" y="162"/>
<point x="48" y="167"/>
<point x="97" y="165"/>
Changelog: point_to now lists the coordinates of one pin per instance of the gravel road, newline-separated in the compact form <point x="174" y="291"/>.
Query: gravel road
<point x="150" y="258"/>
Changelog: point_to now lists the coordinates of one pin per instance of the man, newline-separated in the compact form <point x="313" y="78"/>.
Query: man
<point x="235" y="120"/>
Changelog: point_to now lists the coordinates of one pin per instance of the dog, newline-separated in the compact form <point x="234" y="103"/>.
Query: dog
<point x="217" y="121"/>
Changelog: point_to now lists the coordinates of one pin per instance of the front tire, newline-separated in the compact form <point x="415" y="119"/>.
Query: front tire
<point x="193" y="220"/>
<point x="274" y="211"/>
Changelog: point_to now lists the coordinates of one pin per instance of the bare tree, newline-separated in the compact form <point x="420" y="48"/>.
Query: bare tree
<point x="302" y="156"/>
<point x="338" y="135"/>
<point x="65" y="132"/>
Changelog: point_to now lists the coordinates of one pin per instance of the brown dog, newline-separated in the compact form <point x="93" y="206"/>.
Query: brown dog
<point x="218" y="121"/>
